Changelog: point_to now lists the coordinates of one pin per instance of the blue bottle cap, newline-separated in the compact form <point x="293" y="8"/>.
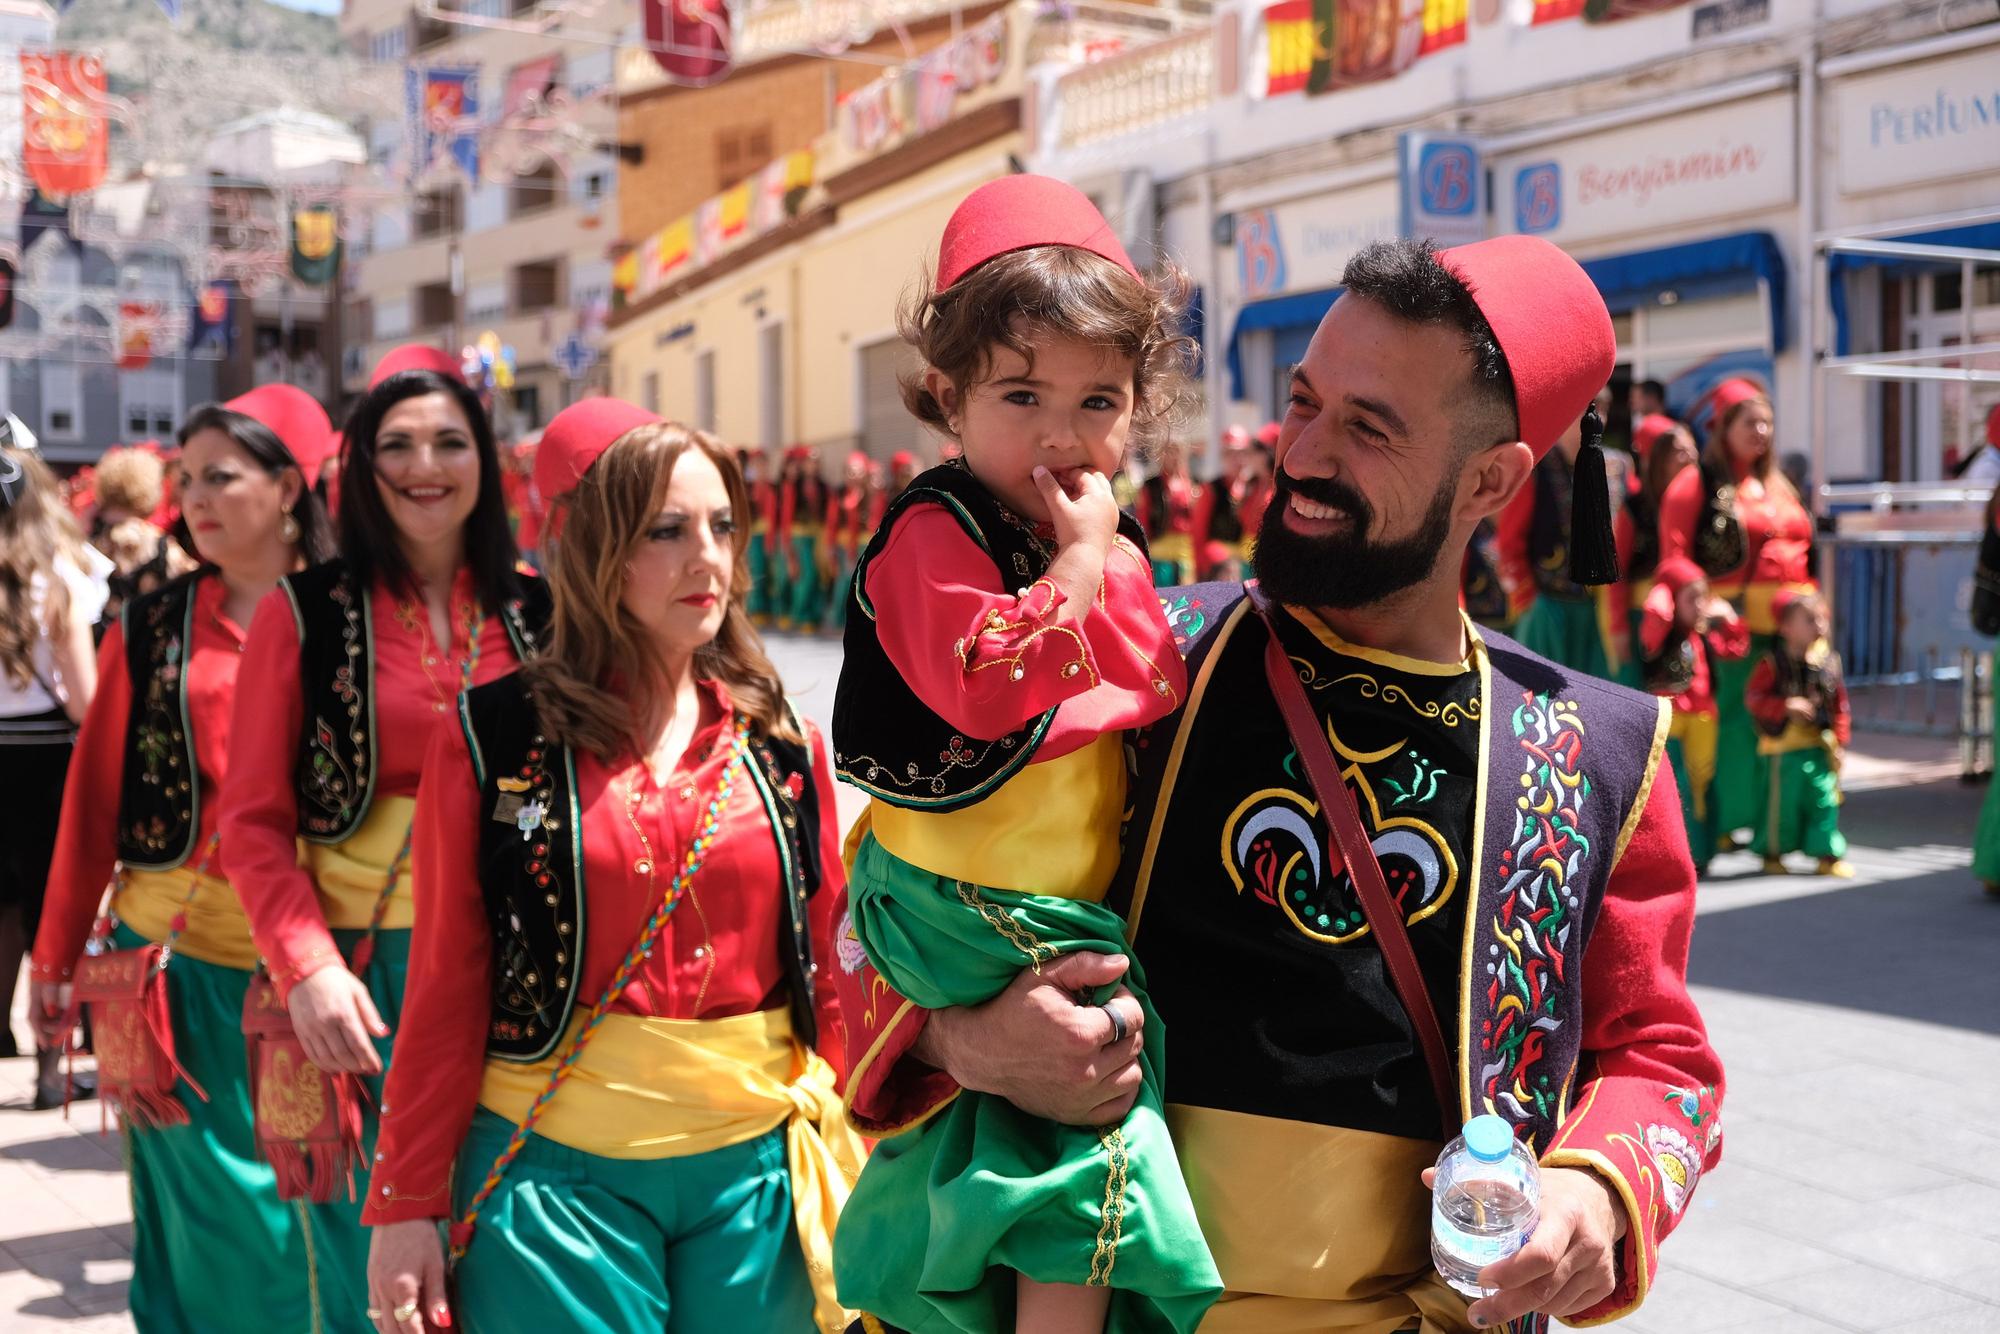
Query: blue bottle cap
<point x="1489" y="1138"/>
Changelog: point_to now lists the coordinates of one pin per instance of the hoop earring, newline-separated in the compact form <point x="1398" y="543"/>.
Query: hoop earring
<point x="288" y="529"/>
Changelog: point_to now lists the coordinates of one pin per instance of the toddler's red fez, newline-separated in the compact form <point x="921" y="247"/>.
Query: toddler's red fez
<point x="1649" y="431"/>
<point x="575" y="437"/>
<point x="297" y="419"/>
<point x="1676" y="573"/>
<point x="1020" y="212"/>
<point x="1551" y="325"/>
<point x="416" y="357"/>
<point x="1731" y="394"/>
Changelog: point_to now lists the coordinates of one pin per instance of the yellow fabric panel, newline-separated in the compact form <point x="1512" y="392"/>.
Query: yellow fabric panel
<point x="1050" y="829"/>
<point x="1755" y="604"/>
<point x="1314" y="1227"/>
<point x="217" y="930"/>
<point x="350" y="874"/>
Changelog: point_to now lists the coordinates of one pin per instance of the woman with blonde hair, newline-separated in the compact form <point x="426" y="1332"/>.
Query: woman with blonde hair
<point x="51" y="592"/>
<point x="1737" y="517"/>
<point x="616" y="1074"/>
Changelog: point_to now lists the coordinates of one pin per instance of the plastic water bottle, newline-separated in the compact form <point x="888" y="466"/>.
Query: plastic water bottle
<point x="1485" y="1202"/>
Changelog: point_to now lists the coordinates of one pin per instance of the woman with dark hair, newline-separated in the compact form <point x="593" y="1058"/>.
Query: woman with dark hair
<point x="356" y="662"/>
<point x="213" y="1247"/>
<point x="627" y="865"/>
<point x="1737" y="517"/>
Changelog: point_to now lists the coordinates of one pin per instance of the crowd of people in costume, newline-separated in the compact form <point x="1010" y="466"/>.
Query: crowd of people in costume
<point x="494" y="958"/>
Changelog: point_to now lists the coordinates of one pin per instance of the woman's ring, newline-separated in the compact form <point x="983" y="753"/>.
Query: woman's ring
<point x="404" y="1312"/>
<point x="1118" y="1029"/>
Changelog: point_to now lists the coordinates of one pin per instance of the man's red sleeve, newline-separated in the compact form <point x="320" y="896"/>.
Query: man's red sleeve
<point x="1646" y="1111"/>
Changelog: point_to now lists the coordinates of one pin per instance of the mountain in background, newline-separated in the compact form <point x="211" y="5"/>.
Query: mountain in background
<point x="126" y="28"/>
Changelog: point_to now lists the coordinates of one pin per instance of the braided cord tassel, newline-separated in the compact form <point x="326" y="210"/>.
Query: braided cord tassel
<point x="697" y="854"/>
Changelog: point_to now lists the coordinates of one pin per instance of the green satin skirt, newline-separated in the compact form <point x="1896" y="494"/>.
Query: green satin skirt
<point x="214" y="1250"/>
<point x="339" y="1244"/>
<point x="1565" y="630"/>
<point x="805" y="595"/>
<point x="572" y="1241"/>
<point x="1741" y="774"/>
<point x="946" y="1214"/>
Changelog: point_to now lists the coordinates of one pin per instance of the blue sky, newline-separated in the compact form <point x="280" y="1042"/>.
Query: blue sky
<point x="312" y="6"/>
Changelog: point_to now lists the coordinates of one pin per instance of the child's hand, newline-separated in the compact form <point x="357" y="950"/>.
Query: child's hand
<point x="1720" y="612"/>
<point x="1084" y="513"/>
<point x="1800" y="709"/>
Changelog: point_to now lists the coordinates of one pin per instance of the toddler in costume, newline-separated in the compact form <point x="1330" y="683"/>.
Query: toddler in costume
<point x="1003" y="635"/>
<point x="1683" y="630"/>
<point x="1799" y="700"/>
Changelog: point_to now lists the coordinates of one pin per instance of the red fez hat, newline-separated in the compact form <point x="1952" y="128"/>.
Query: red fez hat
<point x="1551" y="325"/>
<point x="902" y="458"/>
<point x="1731" y="394"/>
<point x="1236" y="437"/>
<point x="416" y="357"/>
<point x="1993" y="427"/>
<point x="857" y="459"/>
<point x="575" y="437"/>
<point x="1018" y="213"/>
<point x="1785" y="599"/>
<point x="1268" y="433"/>
<point x="1677" y="572"/>
<point x="1649" y="430"/>
<point x="297" y="419"/>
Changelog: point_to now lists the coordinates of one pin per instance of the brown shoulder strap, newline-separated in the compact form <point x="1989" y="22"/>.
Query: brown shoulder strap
<point x="1351" y="844"/>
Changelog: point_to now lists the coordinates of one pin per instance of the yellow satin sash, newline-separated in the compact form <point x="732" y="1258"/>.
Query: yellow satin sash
<point x="1176" y="547"/>
<point x="350" y="874"/>
<point x="670" y="1088"/>
<point x="217" y="931"/>
<point x="1050" y="829"/>
<point x="1796" y="736"/>
<point x="1313" y="1227"/>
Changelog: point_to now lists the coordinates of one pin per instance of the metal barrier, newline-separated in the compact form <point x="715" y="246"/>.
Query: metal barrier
<point x="1896" y="568"/>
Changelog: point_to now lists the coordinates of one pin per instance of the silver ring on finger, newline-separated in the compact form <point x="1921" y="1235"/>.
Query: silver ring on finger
<point x="404" y="1312"/>
<point x="373" y="1312"/>
<point x="1118" y="1028"/>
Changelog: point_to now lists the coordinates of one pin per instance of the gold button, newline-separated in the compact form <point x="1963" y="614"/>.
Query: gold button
<point x="642" y="867"/>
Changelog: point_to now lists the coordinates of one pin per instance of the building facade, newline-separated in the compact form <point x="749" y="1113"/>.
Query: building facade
<point x="504" y="242"/>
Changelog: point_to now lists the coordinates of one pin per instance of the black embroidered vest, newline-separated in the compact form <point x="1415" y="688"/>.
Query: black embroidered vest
<point x="886" y="740"/>
<point x="1818" y="682"/>
<point x="159" y="805"/>
<point x="531" y="867"/>
<point x="335" y="777"/>
<point x="1568" y="760"/>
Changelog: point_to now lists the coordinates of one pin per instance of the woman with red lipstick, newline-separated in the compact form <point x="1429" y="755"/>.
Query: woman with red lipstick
<point x="356" y="662"/>
<point x="213" y="1246"/>
<point x="627" y="864"/>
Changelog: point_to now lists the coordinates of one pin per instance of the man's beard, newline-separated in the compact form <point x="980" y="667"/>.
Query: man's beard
<point x="1345" y="570"/>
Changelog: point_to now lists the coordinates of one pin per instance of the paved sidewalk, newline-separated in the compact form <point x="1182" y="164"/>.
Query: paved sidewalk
<point x="1859" y="1021"/>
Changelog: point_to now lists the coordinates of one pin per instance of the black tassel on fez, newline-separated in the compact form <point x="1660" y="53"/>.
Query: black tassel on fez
<point x="1593" y="550"/>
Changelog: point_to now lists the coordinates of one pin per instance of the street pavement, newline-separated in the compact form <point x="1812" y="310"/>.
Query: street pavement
<point x="1859" y="1022"/>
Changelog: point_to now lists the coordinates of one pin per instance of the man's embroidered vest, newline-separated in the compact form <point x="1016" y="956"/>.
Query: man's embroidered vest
<point x="159" y="806"/>
<point x="1569" y="760"/>
<point x="886" y="740"/>
<point x="531" y="870"/>
<point x="335" y="777"/>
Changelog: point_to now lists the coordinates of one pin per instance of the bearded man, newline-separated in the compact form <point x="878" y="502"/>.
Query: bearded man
<point x="1350" y="739"/>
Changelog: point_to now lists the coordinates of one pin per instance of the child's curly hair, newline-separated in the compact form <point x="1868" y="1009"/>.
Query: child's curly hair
<point x="1014" y="299"/>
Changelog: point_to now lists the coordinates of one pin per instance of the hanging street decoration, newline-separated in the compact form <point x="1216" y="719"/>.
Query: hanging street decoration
<point x="65" y="135"/>
<point x="315" y="244"/>
<point x="441" y="114"/>
<point x="690" y="39"/>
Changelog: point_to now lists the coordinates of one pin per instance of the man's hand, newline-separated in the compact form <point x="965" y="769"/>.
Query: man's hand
<point x="1036" y="1047"/>
<point x="1570" y="1264"/>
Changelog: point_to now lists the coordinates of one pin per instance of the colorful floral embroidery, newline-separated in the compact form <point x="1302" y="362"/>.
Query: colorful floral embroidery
<point x="1185" y="618"/>
<point x="1541" y="873"/>
<point x="163" y="819"/>
<point x="336" y="766"/>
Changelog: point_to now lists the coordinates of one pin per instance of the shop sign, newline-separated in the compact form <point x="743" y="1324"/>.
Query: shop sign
<point x="1726" y="160"/>
<point x="1442" y="188"/>
<point x="1304" y="245"/>
<point x="1726" y="16"/>
<point x="1920" y="122"/>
